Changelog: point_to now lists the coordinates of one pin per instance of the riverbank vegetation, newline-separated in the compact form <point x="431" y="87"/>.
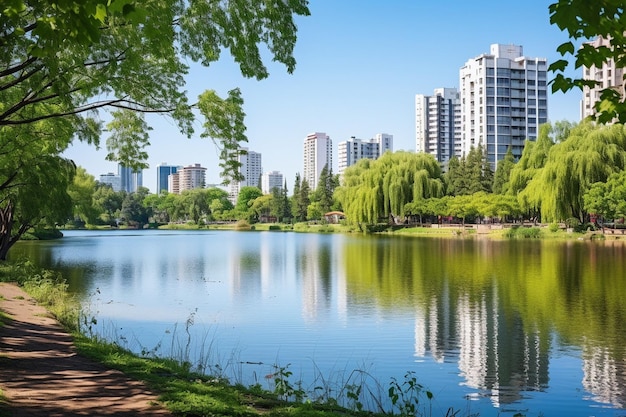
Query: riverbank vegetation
<point x="571" y="178"/>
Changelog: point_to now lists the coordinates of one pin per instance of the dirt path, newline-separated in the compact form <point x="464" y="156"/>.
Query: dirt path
<point x="41" y="374"/>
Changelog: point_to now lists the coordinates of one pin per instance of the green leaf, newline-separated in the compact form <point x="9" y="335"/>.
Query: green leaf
<point x="559" y="65"/>
<point x="101" y="12"/>
<point x="566" y="48"/>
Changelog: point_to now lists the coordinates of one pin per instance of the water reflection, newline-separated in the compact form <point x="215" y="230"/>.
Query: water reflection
<point x="491" y="307"/>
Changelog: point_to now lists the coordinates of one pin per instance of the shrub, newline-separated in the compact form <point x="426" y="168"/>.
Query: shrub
<point x="553" y="227"/>
<point x="242" y="225"/>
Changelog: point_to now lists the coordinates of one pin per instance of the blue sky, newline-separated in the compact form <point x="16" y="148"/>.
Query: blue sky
<point x="359" y="65"/>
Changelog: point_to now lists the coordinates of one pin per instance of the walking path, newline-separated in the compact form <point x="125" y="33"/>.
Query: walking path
<point x="42" y="375"/>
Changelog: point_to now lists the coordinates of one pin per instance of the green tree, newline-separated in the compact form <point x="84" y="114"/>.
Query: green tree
<point x="302" y="201"/>
<point x="456" y="178"/>
<point x="280" y="207"/>
<point x="607" y="199"/>
<point x="373" y="189"/>
<point x="295" y="198"/>
<point x="196" y="203"/>
<point x="325" y="190"/>
<point x="262" y="206"/>
<point x="218" y="202"/>
<point x="533" y="159"/>
<point x="503" y="173"/>
<point x="276" y="203"/>
<point x="108" y="203"/>
<point x="134" y="212"/>
<point x="37" y="196"/>
<point x="590" y="154"/>
<point x="66" y="60"/>
<point x="583" y="20"/>
<point x="244" y="202"/>
<point x="81" y="191"/>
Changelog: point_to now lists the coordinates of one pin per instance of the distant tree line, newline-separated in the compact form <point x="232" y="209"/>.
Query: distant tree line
<point x="571" y="173"/>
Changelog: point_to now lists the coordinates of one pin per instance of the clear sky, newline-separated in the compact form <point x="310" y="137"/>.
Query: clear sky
<point x="360" y="64"/>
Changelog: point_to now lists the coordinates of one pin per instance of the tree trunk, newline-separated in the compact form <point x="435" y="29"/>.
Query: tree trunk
<point x="7" y="238"/>
<point x="6" y="227"/>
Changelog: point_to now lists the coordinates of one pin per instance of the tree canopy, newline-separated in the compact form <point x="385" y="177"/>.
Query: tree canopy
<point x="372" y="189"/>
<point x="65" y="60"/>
<point x="590" y="154"/>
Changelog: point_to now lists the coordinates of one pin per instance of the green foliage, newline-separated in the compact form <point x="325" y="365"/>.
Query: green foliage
<point x="503" y="173"/>
<point x="284" y="388"/>
<point x="133" y="211"/>
<point x="33" y="194"/>
<point x="81" y="192"/>
<point x="470" y="174"/>
<point x="301" y="199"/>
<point x="523" y="233"/>
<point x="607" y="200"/>
<point x="245" y="200"/>
<point x="589" y="155"/>
<point x="405" y="395"/>
<point x="374" y="189"/>
<point x="583" y="20"/>
<point x="47" y="287"/>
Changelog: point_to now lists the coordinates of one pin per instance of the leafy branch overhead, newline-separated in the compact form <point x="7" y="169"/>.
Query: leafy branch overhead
<point x="63" y="61"/>
<point x="583" y="20"/>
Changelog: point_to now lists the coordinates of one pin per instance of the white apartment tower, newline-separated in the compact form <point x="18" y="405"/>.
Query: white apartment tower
<point x="607" y="76"/>
<point x="438" y="124"/>
<point x="271" y="180"/>
<point x="503" y="101"/>
<point x="352" y="150"/>
<point x="251" y="169"/>
<point x="318" y="152"/>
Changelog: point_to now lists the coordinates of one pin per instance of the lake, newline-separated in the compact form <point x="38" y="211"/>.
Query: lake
<point x="489" y="327"/>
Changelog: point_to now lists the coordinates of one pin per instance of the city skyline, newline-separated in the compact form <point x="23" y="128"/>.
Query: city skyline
<point x="359" y="67"/>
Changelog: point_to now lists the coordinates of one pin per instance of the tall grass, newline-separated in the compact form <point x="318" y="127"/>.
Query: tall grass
<point x="47" y="287"/>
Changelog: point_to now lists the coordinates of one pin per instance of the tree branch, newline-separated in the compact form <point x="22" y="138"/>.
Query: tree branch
<point x="17" y="68"/>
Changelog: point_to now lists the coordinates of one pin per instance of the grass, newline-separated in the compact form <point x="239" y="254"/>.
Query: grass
<point x="187" y="393"/>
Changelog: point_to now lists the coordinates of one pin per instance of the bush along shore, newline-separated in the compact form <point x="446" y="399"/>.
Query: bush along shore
<point x="185" y="392"/>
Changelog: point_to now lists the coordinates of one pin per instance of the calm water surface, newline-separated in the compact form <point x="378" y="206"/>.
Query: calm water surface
<point x="491" y="327"/>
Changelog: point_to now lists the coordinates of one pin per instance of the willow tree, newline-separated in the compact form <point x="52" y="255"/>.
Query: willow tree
<point x="376" y="189"/>
<point x="533" y="159"/>
<point x="589" y="155"/>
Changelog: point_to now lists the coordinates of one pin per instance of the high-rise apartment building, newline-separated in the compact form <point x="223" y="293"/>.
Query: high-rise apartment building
<point x="163" y="171"/>
<point x="438" y="124"/>
<point x="318" y="153"/>
<point x="251" y="169"/>
<point x="130" y="180"/>
<point x="352" y="150"/>
<point x="609" y="75"/>
<point x="186" y="178"/>
<point x="503" y="101"/>
<point x="271" y="180"/>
